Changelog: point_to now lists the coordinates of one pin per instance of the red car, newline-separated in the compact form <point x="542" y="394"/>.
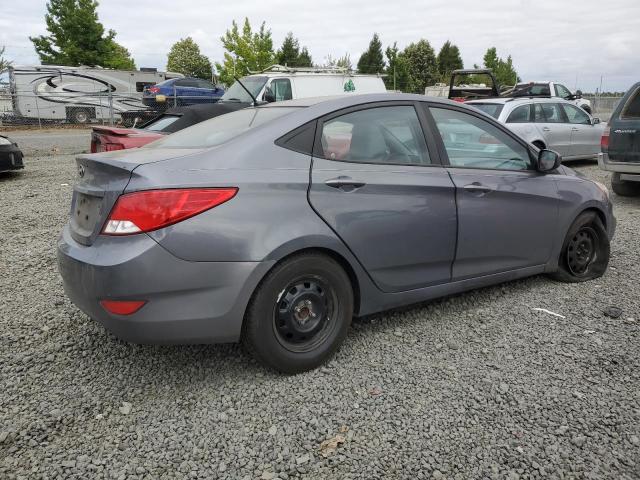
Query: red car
<point x="107" y="139"/>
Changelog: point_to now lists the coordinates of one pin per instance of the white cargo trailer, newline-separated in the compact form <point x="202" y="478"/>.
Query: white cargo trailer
<point x="79" y="94"/>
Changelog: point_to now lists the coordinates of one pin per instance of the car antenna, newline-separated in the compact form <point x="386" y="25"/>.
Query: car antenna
<point x="255" y="102"/>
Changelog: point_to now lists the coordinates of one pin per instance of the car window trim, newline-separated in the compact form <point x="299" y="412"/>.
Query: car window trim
<point x="431" y="147"/>
<point x="443" y="151"/>
<point x="516" y="108"/>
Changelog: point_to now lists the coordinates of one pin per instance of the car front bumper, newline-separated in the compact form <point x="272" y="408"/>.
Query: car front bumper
<point x="10" y="158"/>
<point x="187" y="302"/>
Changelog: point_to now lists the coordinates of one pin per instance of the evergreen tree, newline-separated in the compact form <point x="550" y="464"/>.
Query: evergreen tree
<point x="372" y="60"/>
<point x="291" y="55"/>
<point x="246" y="51"/>
<point x="448" y="60"/>
<point x="397" y="70"/>
<point x="503" y="70"/>
<point x="4" y="63"/>
<point x="76" y="37"/>
<point x="185" y="58"/>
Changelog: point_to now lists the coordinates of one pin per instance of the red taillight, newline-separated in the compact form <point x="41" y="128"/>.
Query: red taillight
<point x="604" y="140"/>
<point x="154" y="89"/>
<point x="122" y="307"/>
<point x="110" y="147"/>
<point x="150" y="210"/>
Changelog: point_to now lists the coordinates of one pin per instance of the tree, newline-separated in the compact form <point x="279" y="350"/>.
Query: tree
<point x="503" y="70"/>
<point x="291" y="55"/>
<point x="422" y="66"/>
<point x="185" y="57"/>
<point x="4" y="64"/>
<point x="342" y="62"/>
<point x="76" y="37"/>
<point x="246" y="52"/>
<point x="397" y="70"/>
<point x="448" y="60"/>
<point x="372" y="60"/>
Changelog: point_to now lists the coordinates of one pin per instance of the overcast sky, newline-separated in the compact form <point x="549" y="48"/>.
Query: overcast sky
<point x="571" y="41"/>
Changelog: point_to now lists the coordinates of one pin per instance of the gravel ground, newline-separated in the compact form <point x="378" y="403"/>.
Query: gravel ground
<point x="475" y="386"/>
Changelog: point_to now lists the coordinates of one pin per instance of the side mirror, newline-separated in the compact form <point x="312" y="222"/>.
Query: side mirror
<point x="548" y="160"/>
<point x="269" y="95"/>
<point x="595" y="120"/>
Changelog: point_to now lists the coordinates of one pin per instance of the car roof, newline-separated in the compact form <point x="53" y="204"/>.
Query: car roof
<point x="350" y="99"/>
<point x="518" y="100"/>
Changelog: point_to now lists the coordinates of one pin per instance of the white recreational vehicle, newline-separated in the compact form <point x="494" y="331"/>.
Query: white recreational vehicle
<point x="78" y="94"/>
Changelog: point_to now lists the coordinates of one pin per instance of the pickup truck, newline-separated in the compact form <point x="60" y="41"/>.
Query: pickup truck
<point x="550" y="89"/>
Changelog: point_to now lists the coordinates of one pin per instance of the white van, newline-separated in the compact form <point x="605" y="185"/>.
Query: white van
<point x="278" y="83"/>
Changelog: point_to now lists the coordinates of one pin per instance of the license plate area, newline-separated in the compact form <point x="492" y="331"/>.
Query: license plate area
<point x="86" y="213"/>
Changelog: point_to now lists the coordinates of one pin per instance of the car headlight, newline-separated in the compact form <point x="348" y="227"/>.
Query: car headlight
<point x="5" y="141"/>
<point x="603" y="188"/>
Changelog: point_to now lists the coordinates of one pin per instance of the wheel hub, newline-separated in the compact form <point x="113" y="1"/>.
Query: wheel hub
<point x="581" y="251"/>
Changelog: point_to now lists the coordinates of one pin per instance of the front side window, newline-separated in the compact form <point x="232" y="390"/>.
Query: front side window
<point x="520" y="114"/>
<point x="472" y="142"/>
<point x="281" y="88"/>
<point x="549" y="113"/>
<point x="387" y="135"/>
<point x="576" y="115"/>
<point x="562" y="91"/>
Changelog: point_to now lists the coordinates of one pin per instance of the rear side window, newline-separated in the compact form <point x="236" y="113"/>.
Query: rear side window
<point x="631" y="109"/>
<point x="520" y="114"/>
<point x="161" y="123"/>
<point x="219" y="130"/>
<point x="386" y="135"/>
<point x="493" y="109"/>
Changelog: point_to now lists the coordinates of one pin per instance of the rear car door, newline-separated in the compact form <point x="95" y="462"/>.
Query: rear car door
<point x="624" y="135"/>
<point x="380" y="188"/>
<point x="585" y="136"/>
<point x="507" y="211"/>
<point x="553" y="125"/>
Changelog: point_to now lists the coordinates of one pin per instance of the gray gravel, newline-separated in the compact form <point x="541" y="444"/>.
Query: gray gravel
<point x="476" y="386"/>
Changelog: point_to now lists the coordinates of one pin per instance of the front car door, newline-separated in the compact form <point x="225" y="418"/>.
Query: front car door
<point x="507" y="211"/>
<point x="554" y="126"/>
<point x="380" y="188"/>
<point x="585" y="136"/>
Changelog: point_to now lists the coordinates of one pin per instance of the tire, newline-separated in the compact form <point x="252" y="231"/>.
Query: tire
<point x="299" y="314"/>
<point x="624" y="188"/>
<point x="585" y="250"/>
<point x="80" y="116"/>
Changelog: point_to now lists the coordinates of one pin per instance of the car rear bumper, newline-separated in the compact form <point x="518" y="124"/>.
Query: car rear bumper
<point x="187" y="302"/>
<point x="605" y="163"/>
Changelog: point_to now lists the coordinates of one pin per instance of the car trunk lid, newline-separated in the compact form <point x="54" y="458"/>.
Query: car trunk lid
<point x="102" y="179"/>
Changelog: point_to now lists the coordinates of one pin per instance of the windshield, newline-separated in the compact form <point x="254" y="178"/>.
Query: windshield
<point x="235" y="93"/>
<point x="492" y="109"/>
<point x="161" y="123"/>
<point x="220" y="129"/>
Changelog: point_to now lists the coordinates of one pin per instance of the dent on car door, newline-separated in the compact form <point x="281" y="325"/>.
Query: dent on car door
<point x="376" y="184"/>
<point x="507" y="211"/>
<point x="553" y="125"/>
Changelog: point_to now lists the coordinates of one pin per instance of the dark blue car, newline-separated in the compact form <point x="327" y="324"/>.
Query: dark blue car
<point x="181" y="91"/>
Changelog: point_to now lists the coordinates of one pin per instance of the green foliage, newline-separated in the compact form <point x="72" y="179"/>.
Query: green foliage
<point x="185" y="58"/>
<point x="372" y="60"/>
<point x="4" y="63"/>
<point x="76" y="37"/>
<point x="246" y="51"/>
<point x="397" y="69"/>
<point x="421" y="64"/>
<point x="291" y="55"/>
<point x="449" y="59"/>
<point x="503" y="70"/>
<point x="342" y="62"/>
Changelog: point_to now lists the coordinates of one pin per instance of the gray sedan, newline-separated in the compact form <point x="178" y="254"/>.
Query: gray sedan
<point x="548" y="123"/>
<point x="276" y="225"/>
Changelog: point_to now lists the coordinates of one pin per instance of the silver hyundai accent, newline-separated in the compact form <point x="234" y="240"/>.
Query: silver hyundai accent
<point x="275" y="225"/>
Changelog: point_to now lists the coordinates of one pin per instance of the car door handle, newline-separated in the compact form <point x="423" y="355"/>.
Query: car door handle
<point x="344" y="183"/>
<point x="546" y="129"/>
<point x="476" y="187"/>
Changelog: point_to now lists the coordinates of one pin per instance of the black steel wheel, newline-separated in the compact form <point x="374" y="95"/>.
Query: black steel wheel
<point x="299" y="314"/>
<point x="585" y="251"/>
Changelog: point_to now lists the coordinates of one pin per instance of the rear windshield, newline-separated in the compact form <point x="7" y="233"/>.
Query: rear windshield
<point x="161" y="123"/>
<point x="632" y="107"/>
<point x="492" y="109"/>
<point x="219" y="130"/>
<point x="531" y="90"/>
<point x="235" y="93"/>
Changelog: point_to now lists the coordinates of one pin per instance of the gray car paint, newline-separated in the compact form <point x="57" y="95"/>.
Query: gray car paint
<point x="198" y="275"/>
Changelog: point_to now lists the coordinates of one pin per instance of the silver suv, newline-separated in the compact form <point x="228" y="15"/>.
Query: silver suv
<point x="550" y="123"/>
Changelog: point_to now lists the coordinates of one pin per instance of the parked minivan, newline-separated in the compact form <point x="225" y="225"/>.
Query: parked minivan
<point x="621" y="145"/>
